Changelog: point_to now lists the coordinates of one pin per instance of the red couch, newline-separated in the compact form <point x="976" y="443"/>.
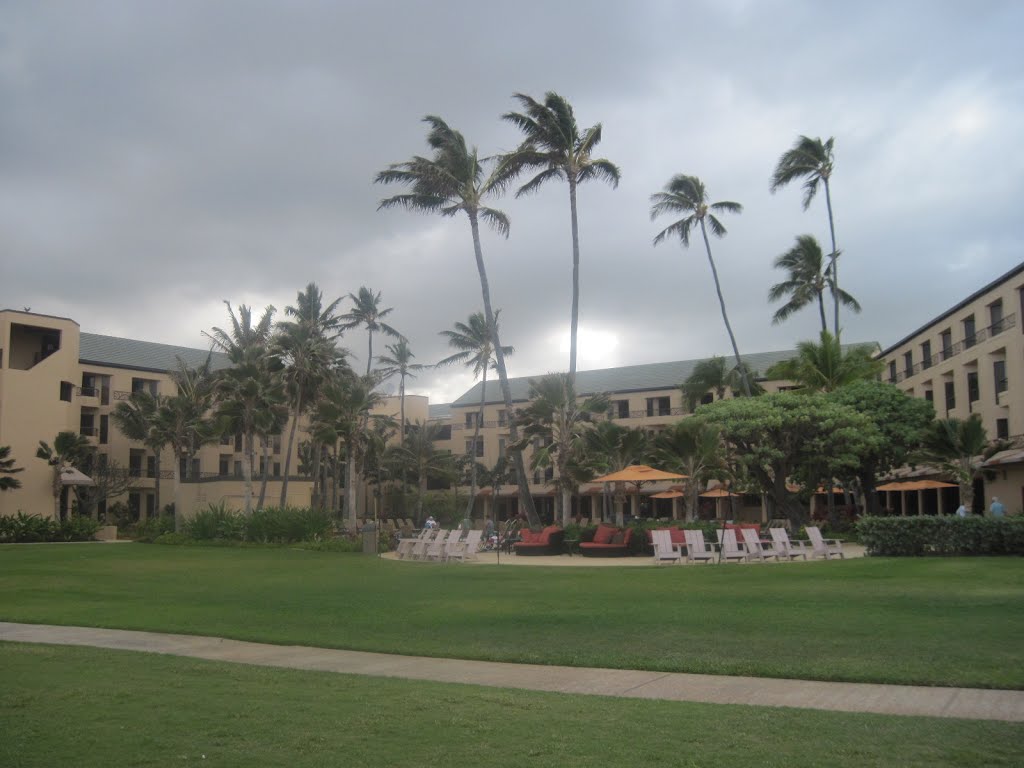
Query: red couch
<point x="545" y="542"/>
<point x="609" y="541"/>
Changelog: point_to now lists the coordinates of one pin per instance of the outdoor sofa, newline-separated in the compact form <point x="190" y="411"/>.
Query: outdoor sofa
<point x="545" y="542"/>
<point x="609" y="541"/>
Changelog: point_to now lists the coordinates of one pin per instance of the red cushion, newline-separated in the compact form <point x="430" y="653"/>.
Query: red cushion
<point x="604" y="534"/>
<point x="678" y="535"/>
<point x="527" y="536"/>
<point x="618" y="538"/>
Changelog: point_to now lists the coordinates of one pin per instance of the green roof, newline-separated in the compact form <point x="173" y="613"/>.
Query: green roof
<point x="116" y="352"/>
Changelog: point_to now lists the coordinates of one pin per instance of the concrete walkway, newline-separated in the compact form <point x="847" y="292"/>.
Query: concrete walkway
<point x="969" y="703"/>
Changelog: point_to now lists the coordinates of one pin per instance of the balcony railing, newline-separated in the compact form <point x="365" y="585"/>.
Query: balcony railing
<point x="952" y="351"/>
<point x="87" y="391"/>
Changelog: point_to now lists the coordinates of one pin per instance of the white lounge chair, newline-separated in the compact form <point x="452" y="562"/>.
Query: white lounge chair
<point x="465" y="549"/>
<point x="783" y="547"/>
<point x="405" y="546"/>
<point x="696" y="547"/>
<point x="419" y="549"/>
<point x="730" y="549"/>
<point x="821" y="547"/>
<point x="754" y="547"/>
<point x="437" y="548"/>
<point x="664" y="550"/>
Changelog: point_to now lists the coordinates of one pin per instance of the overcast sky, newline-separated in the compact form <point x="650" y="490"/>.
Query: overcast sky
<point x="158" y="158"/>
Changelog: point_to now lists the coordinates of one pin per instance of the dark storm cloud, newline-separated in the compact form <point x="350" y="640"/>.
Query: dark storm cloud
<point x="157" y="158"/>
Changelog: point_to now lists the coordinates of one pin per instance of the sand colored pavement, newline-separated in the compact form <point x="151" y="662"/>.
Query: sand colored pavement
<point x="968" y="703"/>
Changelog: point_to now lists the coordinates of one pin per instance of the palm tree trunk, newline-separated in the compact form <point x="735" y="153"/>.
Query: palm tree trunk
<point x="350" y="482"/>
<point x="369" y="352"/>
<point x="318" y="480"/>
<point x="525" y="499"/>
<point x="834" y="259"/>
<point x="288" y="456"/>
<point x="156" y="485"/>
<point x="266" y="473"/>
<point x="422" y="495"/>
<point x="574" y="322"/>
<point x="250" y="450"/>
<point x="335" y="477"/>
<point x="725" y="317"/>
<point x="178" y="511"/>
<point x="476" y="436"/>
<point x="821" y="311"/>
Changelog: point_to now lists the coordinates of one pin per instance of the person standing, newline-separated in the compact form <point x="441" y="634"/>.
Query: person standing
<point x="997" y="509"/>
<point x="961" y="511"/>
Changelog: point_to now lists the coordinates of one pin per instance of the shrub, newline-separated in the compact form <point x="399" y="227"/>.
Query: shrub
<point x="77" y="528"/>
<point x="288" y="524"/>
<point x="172" y="538"/>
<point x="153" y="527"/>
<point x="23" y="528"/>
<point x="916" y="536"/>
<point x="215" y="522"/>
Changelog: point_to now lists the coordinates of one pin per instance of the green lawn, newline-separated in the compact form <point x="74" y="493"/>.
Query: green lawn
<point x="87" y="707"/>
<point x="955" y="621"/>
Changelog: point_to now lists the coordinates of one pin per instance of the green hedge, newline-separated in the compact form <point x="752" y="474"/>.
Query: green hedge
<point x="915" y="536"/>
<point x="284" y="525"/>
<point x="22" y="528"/>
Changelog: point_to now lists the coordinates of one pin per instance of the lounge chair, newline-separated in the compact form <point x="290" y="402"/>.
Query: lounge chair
<point x="664" y="549"/>
<point x="754" y="547"/>
<point x="465" y="549"/>
<point x="419" y="549"/>
<point x="821" y="547"/>
<point x="696" y="548"/>
<point x="729" y="548"/>
<point x="436" y="550"/>
<point x="783" y="547"/>
<point x="405" y="546"/>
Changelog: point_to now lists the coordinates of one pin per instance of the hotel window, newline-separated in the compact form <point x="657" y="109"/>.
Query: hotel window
<point x="502" y="418"/>
<point x="908" y="364"/>
<point x="66" y="388"/>
<point x="238" y="469"/>
<point x="659" y="406"/>
<point x="151" y="466"/>
<point x="619" y="409"/>
<point x="1002" y="429"/>
<point x="276" y="448"/>
<point x="946" y="339"/>
<point x="892" y="371"/>
<point x="950" y="396"/>
<point x="926" y="355"/>
<point x="471" y="420"/>
<point x="709" y="397"/>
<point x="995" y="316"/>
<point x="224" y="465"/>
<point x="501" y="446"/>
<point x="970" y="339"/>
<point x="999" y="374"/>
<point x="929" y="396"/>
<point x="973" y="393"/>
<point x="479" y="447"/>
<point x="238" y="443"/>
<point x="277" y="469"/>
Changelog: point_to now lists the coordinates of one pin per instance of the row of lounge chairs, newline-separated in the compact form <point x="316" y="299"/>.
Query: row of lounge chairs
<point x="440" y="545"/>
<point x="751" y="548"/>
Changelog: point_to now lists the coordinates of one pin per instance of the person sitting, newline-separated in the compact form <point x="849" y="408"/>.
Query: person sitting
<point x="431" y="522"/>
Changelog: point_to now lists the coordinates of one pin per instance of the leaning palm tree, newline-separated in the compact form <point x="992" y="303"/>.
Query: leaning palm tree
<point x="138" y="418"/>
<point x="687" y="195"/>
<point x="555" y="146"/>
<point x="812" y="160"/>
<point x="450" y="182"/>
<point x="7" y="468"/>
<point x="714" y="376"/>
<point x="476" y="351"/>
<point x="806" y="281"/>
<point x="368" y="313"/>
<point x="398" y="362"/>
<point x="69" y="449"/>
<point x="826" y="366"/>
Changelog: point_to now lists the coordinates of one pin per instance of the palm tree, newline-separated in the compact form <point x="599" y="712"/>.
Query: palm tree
<point x="806" y="281"/>
<point x="687" y="195"/>
<point x="399" y="361"/>
<point x="714" y="376"/>
<point x="611" y="447"/>
<point x="476" y="350"/>
<point x="559" y="419"/>
<point x="450" y="182"/>
<point x="368" y="313"/>
<point x="138" y="418"/>
<point x="826" y="366"/>
<point x="425" y="461"/>
<point x="691" y="447"/>
<point x="7" y="468"/>
<point x="812" y="160"/>
<point x="69" y="449"/>
<point x="554" y="144"/>
<point x="958" y="447"/>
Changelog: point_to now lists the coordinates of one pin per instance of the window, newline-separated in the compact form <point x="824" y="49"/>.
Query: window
<point x="144" y="385"/>
<point x="151" y="466"/>
<point x="950" y="396"/>
<point x="471" y="420"/>
<point x="66" y="388"/>
<point x="224" y="465"/>
<point x="926" y="355"/>
<point x="276" y="447"/>
<point x="479" y="448"/>
<point x="619" y="409"/>
<point x="1003" y="429"/>
<point x="238" y="442"/>
<point x="104" y="429"/>
<point x="225" y="439"/>
<point x="135" y="458"/>
<point x="238" y="469"/>
<point x="892" y="371"/>
<point x="999" y="374"/>
<point x="969" y="332"/>
<point x="908" y="364"/>
<point x="501" y="446"/>
<point x="150" y="504"/>
<point x="929" y="396"/>
<point x="946" y="339"/>
<point x="659" y="406"/>
<point x="708" y="398"/>
<point x="277" y="469"/>
<point x="502" y="418"/>
<point x="995" y="316"/>
<point x="973" y="394"/>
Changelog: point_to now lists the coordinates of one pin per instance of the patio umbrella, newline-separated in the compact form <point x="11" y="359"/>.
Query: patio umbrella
<point x="71" y="476"/>
<point x="718" y="493"/>
<point x="927" y="485"/>
<point x="638" y="474"/>
<point x="670" y="494"/>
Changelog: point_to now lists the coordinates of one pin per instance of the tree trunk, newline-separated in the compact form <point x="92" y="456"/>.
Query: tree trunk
<point x="250" y="457"/>
<point x="266" y="473"/>
<point x="288" y="456"/>
<point x="718" y="289"/>
<point x="317" y="449"/>
<point x="178" y="507"/>
<point x="369" y="352"/>
<point x="156" y="485"/>
<point x="476" y="437"/>
<point x="834" y="259"/>
<point x="350" y="483"/>
<point x="525" y="499"/>
<point x="566" y="505"/>
<point x="420" y="497"/>
<point x="574" y="322"/>
<point x="821" y="311"/>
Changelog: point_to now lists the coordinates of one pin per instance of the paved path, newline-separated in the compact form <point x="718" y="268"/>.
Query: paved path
<point x="970" y="703"/>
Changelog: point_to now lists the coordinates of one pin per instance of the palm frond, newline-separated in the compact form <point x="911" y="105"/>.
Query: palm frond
<point x="497" y="220"/>
<point x="537" y="181"/>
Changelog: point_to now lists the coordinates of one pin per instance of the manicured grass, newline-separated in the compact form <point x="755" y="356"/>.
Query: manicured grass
<point x="955" y="621"/>
<point x="88" y="707"/>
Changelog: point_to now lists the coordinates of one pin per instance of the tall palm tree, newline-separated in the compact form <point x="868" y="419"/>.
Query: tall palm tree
<point x="694" y="448"/>
<point x="69" y="449"/>
<point x="476" y="351"/>
<point x="399" y="361"/>
<point x="715" y="376"/>
<point x="368" y="313"/>
<point x="825" y="366"/>
<point x="139" y="418"/>
<point x="7" y="468"/>
<point x="813" y="160"/>
<point x="958" y="447"/>
<point x="559" y="419"/>
<point x="687" y="195"/>
<point x="555" y="146"/>
<point x="450" y="182"/>
<point x="807" y="279"/>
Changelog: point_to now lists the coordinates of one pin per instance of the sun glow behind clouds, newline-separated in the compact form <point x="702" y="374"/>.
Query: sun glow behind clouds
<point x="596" y="348"/>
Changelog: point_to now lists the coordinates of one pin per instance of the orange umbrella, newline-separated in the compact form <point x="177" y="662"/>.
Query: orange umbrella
<point x="638" y="473"/>
<point x="668" y="495"/>
<point x="718" y="493"/>
<point x="927" y="485"/>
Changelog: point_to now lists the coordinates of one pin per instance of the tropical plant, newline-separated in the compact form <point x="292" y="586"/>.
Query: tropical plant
<point x="7" y="468"/>
<point x="806" y="281"/>
<point x="398" y="362"/>
<point x="611" y="447"/>
<point x="713" y="375"/>
<point x="555" y="146"/>
<point x="827" y="365"/>
<point x="556" y="420"/>
<point x="687" y="195"/>
<point x="812" y="160"/>
<point x="450" y="182"/>
<point x="367" y="313"/>
<point x="69" y="449"/>
<point x="424" y="460"/>
<point x="139" y="418"/>
<point x="694" y="448"/>
<point x="476" y="351"/>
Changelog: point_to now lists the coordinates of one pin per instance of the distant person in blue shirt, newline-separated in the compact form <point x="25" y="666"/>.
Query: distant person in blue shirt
<point x="961" y="511"/>
<point x="997" y="509"/>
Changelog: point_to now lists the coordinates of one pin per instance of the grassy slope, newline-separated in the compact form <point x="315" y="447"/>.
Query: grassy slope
<point x="928" y="621"/>
<point x="87" y="707"/>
